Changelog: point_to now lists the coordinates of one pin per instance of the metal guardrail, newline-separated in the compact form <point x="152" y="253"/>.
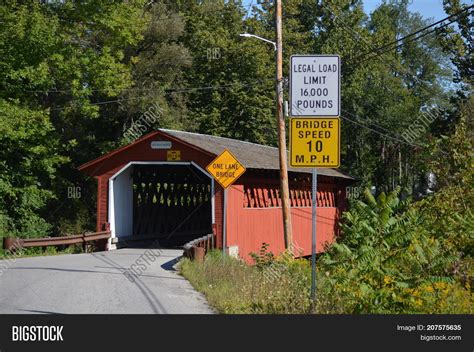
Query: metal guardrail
<point x="12" y="243"/>
<point x="196" y="249"/>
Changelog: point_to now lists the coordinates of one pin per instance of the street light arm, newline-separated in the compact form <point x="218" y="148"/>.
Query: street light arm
<point x="248" y="35"/>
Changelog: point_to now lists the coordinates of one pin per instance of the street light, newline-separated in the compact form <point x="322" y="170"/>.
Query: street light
<point x="282" y="154"/>
<point x="248" y="35"/>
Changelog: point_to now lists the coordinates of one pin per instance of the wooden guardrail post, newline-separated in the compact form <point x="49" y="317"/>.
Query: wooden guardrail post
<point x="199" y="253"/>
<point x="197" y="248"/>
<point x="12" y="243"/>
<point x="84" y="243"/>
<point x="214" y="238"/>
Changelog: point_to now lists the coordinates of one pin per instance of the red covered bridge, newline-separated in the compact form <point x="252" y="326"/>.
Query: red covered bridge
<point x="157" y="188"/>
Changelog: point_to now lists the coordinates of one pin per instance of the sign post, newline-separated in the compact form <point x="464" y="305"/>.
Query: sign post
<point x="315" y="93"/>
<point x="314" y="191"/>
<point x="225" y="169"/>
<point x="224" y="223"/>
<point x="314" y="142"/>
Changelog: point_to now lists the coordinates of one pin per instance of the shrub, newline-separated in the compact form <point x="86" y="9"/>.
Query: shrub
<point x="390" y="259"/>
<point x="387" y="253"/>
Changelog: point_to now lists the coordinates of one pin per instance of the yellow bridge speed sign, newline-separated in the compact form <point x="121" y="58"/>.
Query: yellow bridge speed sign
<point x="315" y="142"/>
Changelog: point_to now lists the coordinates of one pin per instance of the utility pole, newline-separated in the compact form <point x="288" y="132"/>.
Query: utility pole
<point x="284" y="191"/>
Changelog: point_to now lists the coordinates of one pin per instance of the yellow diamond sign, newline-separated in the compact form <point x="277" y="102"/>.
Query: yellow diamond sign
<point x="226" y="169"/>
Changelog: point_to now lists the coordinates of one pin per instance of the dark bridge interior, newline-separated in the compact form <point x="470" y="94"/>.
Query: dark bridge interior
<point x="171" y="204"/>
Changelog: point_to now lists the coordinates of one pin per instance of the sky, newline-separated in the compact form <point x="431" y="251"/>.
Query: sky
<point x="427" y="8"/>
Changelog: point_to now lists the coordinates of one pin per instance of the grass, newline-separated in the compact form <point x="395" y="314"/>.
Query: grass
<point x="233" y="287"/>
<point x="282" y="286"/>
<point x="37" y="252"/>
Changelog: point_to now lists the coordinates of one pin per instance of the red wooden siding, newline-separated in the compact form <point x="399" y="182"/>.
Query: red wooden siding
<point x="254" y="205"/>
<point x="249" y="227"/>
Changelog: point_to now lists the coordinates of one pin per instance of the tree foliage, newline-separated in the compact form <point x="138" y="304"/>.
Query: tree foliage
<point x="29" y="161"/>
<point x="391" y="259"/>
<point x="90" y="70"/>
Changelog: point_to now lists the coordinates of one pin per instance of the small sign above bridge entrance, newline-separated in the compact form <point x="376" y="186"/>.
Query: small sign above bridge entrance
<point x="160" y="145"/>
<point x="173" y="155"/>
<point x="226" y="169"/>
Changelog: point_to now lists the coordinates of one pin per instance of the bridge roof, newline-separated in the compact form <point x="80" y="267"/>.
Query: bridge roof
<point x="251" y="155"/>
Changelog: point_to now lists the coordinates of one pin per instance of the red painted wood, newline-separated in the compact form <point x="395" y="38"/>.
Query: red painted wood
<point x="248" y="228"/>
<point x="98" y="223"/>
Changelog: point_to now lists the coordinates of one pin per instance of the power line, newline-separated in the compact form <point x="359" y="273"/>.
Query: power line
<point x="225" y="86"/>
<point x="247" y="85"/>
<point x="418" y="31"/>
<point x="98" y="103"/>
<point x="205" y="11"/>
<point x="385" y="135"/>
<point x="242" y="85"/>
<point x="367" y="56"/>
<point x="402" y="71"/>
<point x="370" y="123"/>
<point x="152" y="89"/>
<point x="220" y="86"/>
<point x="333" y="18"/>
<point x="392" y="67"/>
<point x="378" y="132"/>
<point x="183" y="90"/>
<point x="401" y="44"/>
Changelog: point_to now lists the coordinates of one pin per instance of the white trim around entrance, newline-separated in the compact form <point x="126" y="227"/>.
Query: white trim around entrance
<point x="113" y="179"/>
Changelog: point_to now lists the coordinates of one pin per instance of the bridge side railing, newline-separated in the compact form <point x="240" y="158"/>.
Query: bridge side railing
<point x="197" y="248"/>
<point x="13" y="243"/>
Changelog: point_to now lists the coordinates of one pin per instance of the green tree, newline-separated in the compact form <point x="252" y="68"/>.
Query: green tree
<point x="28" y="162"/>
<point x="64" y="59"/>
<point x="237" y="75"/>
<point x="458" y="42"/>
